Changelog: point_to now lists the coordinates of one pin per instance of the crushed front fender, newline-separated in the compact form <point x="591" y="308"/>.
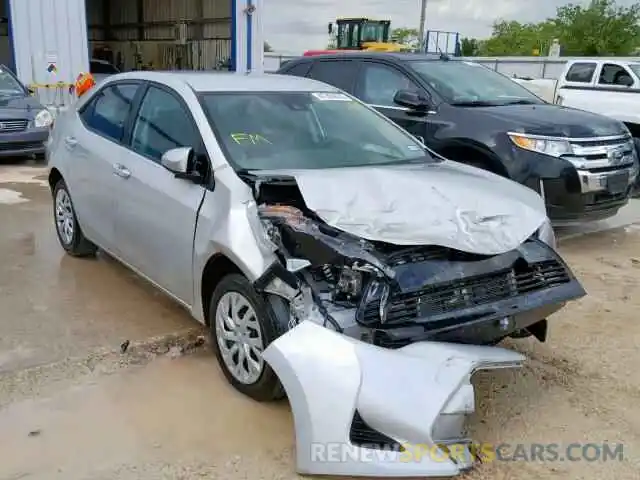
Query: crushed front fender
<point x="416" y="397"/>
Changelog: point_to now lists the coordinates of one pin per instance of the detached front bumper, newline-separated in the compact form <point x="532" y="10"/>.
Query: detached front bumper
<point x="28" y="142"/>
<point x="362" y="410"/>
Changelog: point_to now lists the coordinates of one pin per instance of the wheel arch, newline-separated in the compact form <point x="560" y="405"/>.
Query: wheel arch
<point x="54" y="177"/>
<point x="634" y="128"/>
<point x="478" y="155"/>
<point x="217" y="267"/>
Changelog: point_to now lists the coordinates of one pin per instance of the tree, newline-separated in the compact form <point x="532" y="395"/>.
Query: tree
<point x="267" y="47"/>
<point x="600" y="28"/>
<point x="405" y="36"/>
<point x="514" y="38"/>
<point x="469" y="47"/>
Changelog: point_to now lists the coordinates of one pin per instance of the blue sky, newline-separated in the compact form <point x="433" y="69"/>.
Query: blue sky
<point x="294" y="26"/>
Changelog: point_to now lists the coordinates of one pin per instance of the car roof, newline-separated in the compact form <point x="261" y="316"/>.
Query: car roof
<point x="228" y="81"/>
<point x="394" y="56"/>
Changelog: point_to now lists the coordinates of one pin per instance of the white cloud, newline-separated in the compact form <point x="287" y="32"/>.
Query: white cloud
<point x="295" y="26"/>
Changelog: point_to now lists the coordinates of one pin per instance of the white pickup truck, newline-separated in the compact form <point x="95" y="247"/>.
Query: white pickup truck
<point x="607" y="87"/>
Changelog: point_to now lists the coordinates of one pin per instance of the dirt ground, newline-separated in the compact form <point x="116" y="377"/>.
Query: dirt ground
<point x="73" y="407"/>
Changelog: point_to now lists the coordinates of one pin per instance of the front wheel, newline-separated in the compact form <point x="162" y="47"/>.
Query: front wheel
<point x="69" y="233"/>
<point x="635" y="189"/>
<point x="242" y="325"/>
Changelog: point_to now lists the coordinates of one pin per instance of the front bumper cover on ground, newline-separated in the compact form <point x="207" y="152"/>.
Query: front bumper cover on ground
<point x="417" y="396"/>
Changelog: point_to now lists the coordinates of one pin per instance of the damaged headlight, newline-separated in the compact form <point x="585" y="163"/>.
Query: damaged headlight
<point x="260" y="230"/>
<point x="350" y="282"/>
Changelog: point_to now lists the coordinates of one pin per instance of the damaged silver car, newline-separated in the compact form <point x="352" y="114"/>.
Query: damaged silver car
<point x="334" y="257"/>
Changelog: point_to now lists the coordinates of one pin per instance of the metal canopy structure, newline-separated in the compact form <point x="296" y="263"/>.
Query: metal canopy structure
<point x="49" y="43"/>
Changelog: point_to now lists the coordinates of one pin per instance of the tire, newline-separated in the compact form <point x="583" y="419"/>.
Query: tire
<point x="635" y="189"/>
<point x="263" y="386"/>
<point x="64" y="217"/>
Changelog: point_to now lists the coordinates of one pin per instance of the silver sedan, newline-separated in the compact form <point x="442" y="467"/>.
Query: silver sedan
<point x="325" y="248"/>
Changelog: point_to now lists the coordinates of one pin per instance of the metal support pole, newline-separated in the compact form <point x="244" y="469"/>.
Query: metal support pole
<point x="423" y="19"/>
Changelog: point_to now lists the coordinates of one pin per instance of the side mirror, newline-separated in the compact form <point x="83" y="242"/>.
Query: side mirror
<point x="180" y="162"/>
<point x="413" y="100"/>
<point x="330" y="28"/>
<point x="31" y="90"/>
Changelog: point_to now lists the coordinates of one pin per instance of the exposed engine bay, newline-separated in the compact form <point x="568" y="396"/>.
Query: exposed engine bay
<point x="406" y="325"/>
<point x="394" y="295"/>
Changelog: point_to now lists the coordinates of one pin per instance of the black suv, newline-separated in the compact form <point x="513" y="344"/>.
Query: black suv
<point x="583" y="164"/>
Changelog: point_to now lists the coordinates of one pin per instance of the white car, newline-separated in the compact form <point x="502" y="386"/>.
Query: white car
<point x="330" y="253"/>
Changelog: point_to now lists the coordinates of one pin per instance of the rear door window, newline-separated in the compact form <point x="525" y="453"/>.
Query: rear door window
<point x="379" y="84"/>
<point x="108" y="111"/>
<point x="581" y="72"/>
<point x="616" y="75"/>
<point x="339" y="73"/>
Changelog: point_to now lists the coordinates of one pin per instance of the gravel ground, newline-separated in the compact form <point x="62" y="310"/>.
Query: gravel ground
<point x="73" y="407"/>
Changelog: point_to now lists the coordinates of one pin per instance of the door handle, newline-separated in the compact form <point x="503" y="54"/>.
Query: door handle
<point x="70" y="142"/>
<point x="121" y="171"/>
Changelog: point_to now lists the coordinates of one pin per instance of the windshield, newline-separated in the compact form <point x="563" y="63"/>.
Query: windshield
<point x="466" y="83"/>
<point x="9" y="85"/>
<point x="348" y="34"/>
<point x="305" y="130"/>
<point x="373" y="32"/>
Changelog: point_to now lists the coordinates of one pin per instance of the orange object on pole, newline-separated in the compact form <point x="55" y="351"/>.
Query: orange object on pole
<point x="83" y="84"/>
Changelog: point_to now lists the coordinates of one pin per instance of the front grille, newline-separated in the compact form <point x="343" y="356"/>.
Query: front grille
<point x="18" y="146"/>
<point x="444" y="298"/>
<point x="598" y="154"/>
<point x="10" y="126"/>
<point x="362" y="435"/>
<point x="430" y="253"/>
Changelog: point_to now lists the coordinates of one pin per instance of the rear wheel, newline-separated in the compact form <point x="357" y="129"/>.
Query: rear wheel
<point x="69" y="233"/>
<point x="242" y="325"/>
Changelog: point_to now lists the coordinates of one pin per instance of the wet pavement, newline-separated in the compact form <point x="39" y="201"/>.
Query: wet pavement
<point x="54" y="306"/>
<point x="73" y="407"/>
<point x="170" y="419"/>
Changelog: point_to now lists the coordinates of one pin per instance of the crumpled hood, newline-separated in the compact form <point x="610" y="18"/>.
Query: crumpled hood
<point x="443" y="203"/>
<point x="553" y="120"/>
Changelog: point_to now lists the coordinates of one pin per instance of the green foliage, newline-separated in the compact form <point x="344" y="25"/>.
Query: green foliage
<point x="469" y="47"/>
<point x="603" y="28"/>
<point x="405" y="36"/>
<point x="600" y="28"/>
<point x="514" y="38"/>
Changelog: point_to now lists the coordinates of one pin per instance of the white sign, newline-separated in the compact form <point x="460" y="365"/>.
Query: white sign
<point x="51" y="67"/>
<point x="554" y="49"/>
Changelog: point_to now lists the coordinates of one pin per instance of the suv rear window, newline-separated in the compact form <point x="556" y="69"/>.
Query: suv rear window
<point x="339" y="73"/>
<point x="581" y="72"/>
<point x="299" y="70"/>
